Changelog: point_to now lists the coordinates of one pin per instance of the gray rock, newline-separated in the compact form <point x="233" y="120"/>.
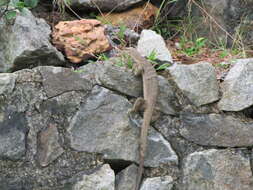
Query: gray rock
<point x="197" y="81"/>
<point x="159" y="151"/>
<point x="49" y="148"/>
<point x="13" y="132"/>
<point x="216" y="170"/>
<point x="26" y="44"/>
<point x="216" y="130"/>
<point x="238" y="87"/>
<point x="102" y="179"/>
<point x="25" y="111"/>
<point x="167" y="101"/>
<point x="123" y="81"/>
<point x="151" y="41"/>
<point x="57" y="80"/>
<point x="119" y="79"/>
<point x="158" y="183"/>
<point x="112" y="77"/>
<point x="7" y="83"/>
<point x="126" y="179"/>
<point x="102" y="126"/>
<point x="104" y="5"/>
<point x="169" y="127"/>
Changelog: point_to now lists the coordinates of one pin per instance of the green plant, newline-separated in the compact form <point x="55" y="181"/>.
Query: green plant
<point x="14" y="6"/>
<point x="125" y="61"/>
<point x="162" y="25"/>
<point x="103" y="57"/>
<point x="121" y="34"/>
<point x="61" y="4"/>
<point x="152" y="58"/>
<point x="191" y="48"/>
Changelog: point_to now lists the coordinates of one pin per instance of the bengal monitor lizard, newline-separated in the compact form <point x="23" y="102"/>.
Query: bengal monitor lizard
<point x="150" y="91"/>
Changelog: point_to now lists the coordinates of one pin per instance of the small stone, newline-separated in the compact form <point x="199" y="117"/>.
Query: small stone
<point x="150" y="42"/>
<point x="49" y="148"/>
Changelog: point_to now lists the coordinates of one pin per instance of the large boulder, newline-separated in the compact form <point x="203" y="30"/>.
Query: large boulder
<point x="26" y="43"/>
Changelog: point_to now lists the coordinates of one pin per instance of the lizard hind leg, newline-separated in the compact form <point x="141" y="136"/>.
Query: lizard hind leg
<point x="156" y="115"/>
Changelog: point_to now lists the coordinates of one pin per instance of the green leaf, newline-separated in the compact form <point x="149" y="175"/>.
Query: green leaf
<point x="10" y="15"/>
<point x="163" y="66"/>
<point x="31" y="3"/>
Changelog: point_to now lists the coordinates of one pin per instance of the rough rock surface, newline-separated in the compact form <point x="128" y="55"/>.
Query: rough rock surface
<point x="159" y="151"/>
<point x="238" y="87"/>
<point x="25" y="113"/>
<point x="25" y="44"/>
<point x="216" y="170"/>
<point x="138" y="18"/>
<point x="169" y="127"/>
<point x="104" y="5"/>
<point x="58" y="126"/>
<point x="13" y="132"/>
<point x="197" y="82"/>
<point x="126" y="179"/>
<point x="80" y="39"/>
<point x="217" y="130"/>
<point x="7" y="83"/>
<point x="49" y="148"/>
<point x="102" y="179"/>
<point x="150" y="42"/>
<point x="57" y="80"/>
<point x="118" y="78"/>
<point x="158" y="183"/>
<point x="102" y="126"/>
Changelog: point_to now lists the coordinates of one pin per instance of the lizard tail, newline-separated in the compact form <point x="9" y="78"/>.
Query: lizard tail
<point x="139" y="176"/>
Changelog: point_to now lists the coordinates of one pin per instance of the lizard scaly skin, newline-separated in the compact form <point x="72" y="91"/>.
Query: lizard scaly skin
<point x="150" y="91"/>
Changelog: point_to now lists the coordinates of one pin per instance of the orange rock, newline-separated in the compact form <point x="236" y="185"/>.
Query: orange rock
<point x="138" y="18"/>
<point x="80" y="39"/>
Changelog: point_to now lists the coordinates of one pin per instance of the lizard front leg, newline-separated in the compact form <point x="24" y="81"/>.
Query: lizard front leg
<point x="139" y="106"/>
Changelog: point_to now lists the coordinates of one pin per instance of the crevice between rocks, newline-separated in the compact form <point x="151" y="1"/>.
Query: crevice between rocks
<point x="118" y="165"/>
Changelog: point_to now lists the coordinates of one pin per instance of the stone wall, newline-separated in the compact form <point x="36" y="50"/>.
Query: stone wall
<point x="66" y="129"/>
